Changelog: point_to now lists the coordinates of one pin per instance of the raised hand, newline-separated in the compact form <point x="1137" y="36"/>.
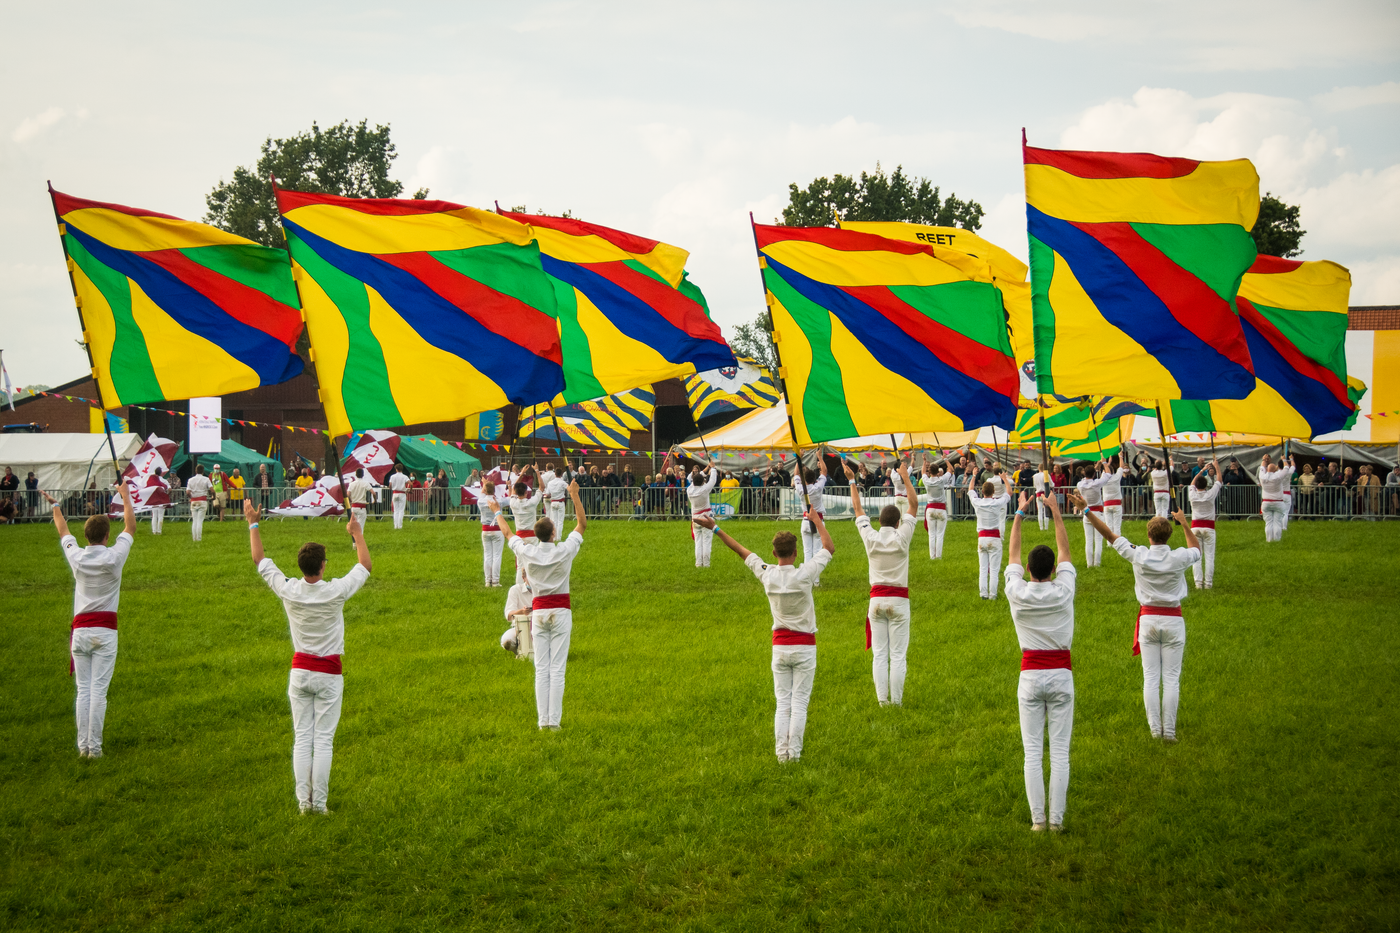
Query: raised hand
<point x="250" y="511"/>
<point x="1025" y="502"/>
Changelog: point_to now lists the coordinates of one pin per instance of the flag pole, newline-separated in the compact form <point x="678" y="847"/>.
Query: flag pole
<point x="1044" y="447"/>
<point x="780" y="375"/>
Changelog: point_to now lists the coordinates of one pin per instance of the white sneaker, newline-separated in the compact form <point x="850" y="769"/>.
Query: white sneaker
<point x="1057" y="827"/>
<point x="1037" y="827"/>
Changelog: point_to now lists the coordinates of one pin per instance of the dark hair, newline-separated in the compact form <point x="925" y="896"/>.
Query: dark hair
<point x="199" y="468"/>
<point x="312" y="558"/>
<point x="544" y="530"/>
<point x="785" y="544"/>
<point x="520" y="489"/>
<point x="1202" y="480"/>
<point x="1041" y="562"/>
<point x="889" y="516"/>
<point x="360" y="472"/>
<point x="988" y="489"/>
<point x="96" y="529"/>
<point x="809" y="476"/>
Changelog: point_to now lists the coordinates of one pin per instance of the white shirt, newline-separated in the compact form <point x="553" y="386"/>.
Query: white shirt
<point x="1274" y="483"/>
<point x="789" y="590"/>
<point x="314" y="609"/>
<point x="699" y="496"/>
<point x="398" y="482"/>
<point x="1092" y="489"/>
<point x="888" y="550"/>
<point x="556" y="488"/>
<point x="991" y="513"/>
<point x="547" y="564"/>
<point x="938" y="485"/>
<point x="1161" y="481"/>
<point x="1203" y="500"/>
<point x="97" y="572"/>
<point x="1042" y="611"/>
<point x="524" y="509"/>
<point x="814" y="492"/>
<point x="518" y="600"/>
<point x="897" y="482"/>
<point x="1113" y="484"/>
<point x="199" y="486"/>
<point x="1159" y="571"/>
<point x="358" y="490"/>
<point x="490" y="508"/>
<point x="998" y="482"/>
<point x="1041" y="481"/>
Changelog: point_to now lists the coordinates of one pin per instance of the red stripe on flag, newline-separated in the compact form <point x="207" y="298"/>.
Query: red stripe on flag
<point x="833" y="238"/>
<point x="1083" y="164"/>
<point x="1272" y="265"/>
<point x="246" y="305"/>
<point x="628" y="242"/>
<point x="67" y="203"/>
<point x="678" y="310"/>
<point x="383" y="207"/>
<point x="1291" y="354"/>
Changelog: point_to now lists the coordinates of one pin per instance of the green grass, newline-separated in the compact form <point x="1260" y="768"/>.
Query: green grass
<point x="660" y="805"/>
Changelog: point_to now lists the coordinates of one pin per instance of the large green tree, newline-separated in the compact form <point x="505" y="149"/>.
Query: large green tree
<point x="752" y="340"/>
<point x="347" y="159"/>
<point x="1277" y="231"/>
<point x="877" y="196"/>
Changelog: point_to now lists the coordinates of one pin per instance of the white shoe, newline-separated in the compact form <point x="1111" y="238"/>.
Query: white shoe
<point x="1038" y="827"/>
<point x="1169" y="739"/>
<point x="1057" y="827"/>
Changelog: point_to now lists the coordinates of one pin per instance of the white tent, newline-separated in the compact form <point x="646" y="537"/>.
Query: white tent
<point x="66" y="461"/>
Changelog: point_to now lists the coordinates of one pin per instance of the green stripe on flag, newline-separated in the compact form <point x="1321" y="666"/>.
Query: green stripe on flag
<point x="973" y="309"/>
<point x="1217" y="254"/>
<point x="580" y="384"/>
<point x="509" y="269"/>
<point x="824" y="396"/>
<point x="259" y="267"/>
<point x="1188" y="415"/>
<point x="132" y="373"/>
<point x="1042" y="271"/>
<point x="1320" y="335"/>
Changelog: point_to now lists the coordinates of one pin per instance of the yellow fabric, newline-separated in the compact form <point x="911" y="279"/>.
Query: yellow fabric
<point x="101" y="331"/>
<point x="665" y="260"/>
<point x="123" y="231"/>
<point x="235" y="488"/>
<point x="330" y="341"/>
<point x="844" y="268"/>
<point x="186" y="364"/>
<point x="1314" y="286"/>
<point x="1215" y="193"/>
<point x="410" y="233"/>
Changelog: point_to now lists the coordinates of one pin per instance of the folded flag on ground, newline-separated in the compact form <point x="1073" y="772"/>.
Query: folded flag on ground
<point x="147" y="491"/>
<point x="601" y="422"/>
<point x="323" y="498"/>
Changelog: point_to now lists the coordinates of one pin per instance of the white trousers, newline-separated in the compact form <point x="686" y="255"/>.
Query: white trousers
<point x="1205" y="567"/>
<point x="556" y="515"/>
<point x="1287" y="507"/>
<point x="794" y="667"/>
<point x="551" y="629"/>
<point x="315" y="697"/>
<point x="889" y="642"/>
<point x="1162" y="501"/>
<point x="937" y="527"/>
<point x="492" y="544"/>
<point x="94" y="659"/>
<point x="1046" y="699"/>
<point x="988" y="566"/>
<point x="704" y="540"/>
<point x="359" y="513"/>
<point x="1163" y="642"/>
<point x="400" y="500"/>
<point x="1093" y="544"/>
<point x="1113" y="518"/>
<point x="1273" y="519"/>
<point x="1042" y="512"/>
<point x="157" y="518"/>
<point x="811" y="544"/>
<point x="197" y="510"/>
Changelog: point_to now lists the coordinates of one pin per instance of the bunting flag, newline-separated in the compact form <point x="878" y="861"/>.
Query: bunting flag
<point x="628" y="314"/>
<point x="1294" y="316"/>
<point x="374" y="452"/>
<point x="173" y="309"/>
<point x="1135" y="262"/>
<point x="604" y="422"/>
<point x="324" y="498"/>
<point x="881" y="336"/>
<point x="420" y="310"/>
<point x="147" y="490"/>
<point x="1086" y="429"/>
<point x="731" y="388"/>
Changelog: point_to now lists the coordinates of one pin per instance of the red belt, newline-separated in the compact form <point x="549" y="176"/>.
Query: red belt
<point x="1113" y="502"/>
<point x="1095" y="508"/>
<point x="1032" y="660"/>
<point x="1273" y="500"/>
<point x="1151" y="611"/>
<point x="557" y="601"/>
<point x="786" y="636"/>
<point x="701" y="512"/>
<point x="558" y="500"/>
<point x="1161" y="492"/>
<point x="938" y="505"/>
<point x="525" y="533"/>
<point x="95" y="620"/>
<point x="878" y="590"/>
<point x="400" y="492"/>
<point x="321" y="663"/>
<point x="1202" y="523"/>
<point x="490" y="527"/>
<point x="199" y="498"/>
<point x="988" y="533"/>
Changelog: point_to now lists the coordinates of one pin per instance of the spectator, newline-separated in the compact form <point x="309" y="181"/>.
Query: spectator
<point x="1196" y="467"/>
<point x="262" y="483"/>
<point x="304" y="479"/>
<point x="1307" y="490"/>
<point x="1368" y="493"/>
<point x="415" y="492"/>
<point x="442" y="486"/>
<point x="429" y="494"/>
<point x="1392" y="488"/>
<point x="8" y="484"/>
<point x="218" y="489"/>
<point x="1234" y="475"/>
<point x="31" y="483"/>
<point x="728" y="481"/>
<point x="235" y="489"/>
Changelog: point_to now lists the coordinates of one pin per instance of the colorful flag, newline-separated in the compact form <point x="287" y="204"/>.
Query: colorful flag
<point x="1295" y="320"/>
<point x="173" y="309"/>
<point x="374" y="452"/>
<point x="323" y="498"/>
<point x="731" y="388"/>
<point x="877" y="335"/>
<point x="1135" y="262"/>
<point x="1084" y="430"/>
<point x="147" y="489"/>
<point x="420" y="310"/>
<point x="628" y="315"/>
<point x="604" y="422"/>
<point x="484" y="426"/>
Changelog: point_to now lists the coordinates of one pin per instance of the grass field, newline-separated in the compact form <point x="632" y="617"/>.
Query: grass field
<point x="660" y="805"/>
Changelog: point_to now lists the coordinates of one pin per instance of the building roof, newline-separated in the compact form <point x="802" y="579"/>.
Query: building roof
<point x="1373" y="317"/>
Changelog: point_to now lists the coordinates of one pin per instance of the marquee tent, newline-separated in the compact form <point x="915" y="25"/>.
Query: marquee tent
<point x="66" y="461"/>
<point x="232" y="454"/>
<point x="423" y="452"/>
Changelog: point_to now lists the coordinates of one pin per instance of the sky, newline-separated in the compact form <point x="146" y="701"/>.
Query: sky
<point x="674" y="121"/>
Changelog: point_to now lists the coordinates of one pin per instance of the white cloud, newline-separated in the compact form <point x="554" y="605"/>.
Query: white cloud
<point x="1354" y="98"/>
<point x="1354" y="214"/>
<point x="1376" y="282"/>
<point x="31" y="127"/>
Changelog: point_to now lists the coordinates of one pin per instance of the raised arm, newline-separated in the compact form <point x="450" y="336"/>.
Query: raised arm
<point x="911" y="492"/>
<point x="855" y="490"/>
<point x="821" y="530"/>
<point x="580" y="518"/>
<point x="251" y="512"/>
<point x="1062" y="551"/>
<point x="1191" y="539"/>
<point x="708" y="521"/>
<point x="128" y="513"/>
<point x="1013" y="545"/>
<point x="1093" y="518"/>
<point x="60" y="524"/>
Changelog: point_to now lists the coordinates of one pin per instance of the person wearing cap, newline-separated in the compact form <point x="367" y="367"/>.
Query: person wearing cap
<point x="219" y="488"/>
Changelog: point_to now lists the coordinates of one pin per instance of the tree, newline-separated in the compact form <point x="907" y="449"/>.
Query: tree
<point x="879" y="196"/>
<point x="1276" y="232"/>
<point x="751" y="340"/>
<point x="348" y="160"/>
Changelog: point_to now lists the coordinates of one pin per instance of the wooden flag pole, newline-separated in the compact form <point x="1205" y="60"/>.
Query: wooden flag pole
<point x="1044" y="447"/>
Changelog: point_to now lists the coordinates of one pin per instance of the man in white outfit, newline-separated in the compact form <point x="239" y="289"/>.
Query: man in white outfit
<point x="936" y="485"/>
<point x="887" y="617"/>
<point x="198" y="489"/>
<point x="97" y="590"/>
<point x="991" y="514"/>
<point x="524" y="509"/>
<point x="548" y="566"/>
<point x="398" y="483"/>
<point x="1161" y="477"/>
<point x="697" y="491"/>
<point x="815" y="481"/>
<point x="1044" y="485"/>
<point x="358" y="495"/>
<point x="516" y="639"/>
<point x="1159" y="572"/>
<point x="1091" y="489"/>
<point x="556" y="493"/>
<point x="158" y="481"/>
<point x="315" y="687"/>
<point x="492" y="541"/>
<point x="1113" y="473"/>
<point x="1203" y="494"/>
<point x="789" y="590"/>
<point x="1043" y="612"/>
<point x="1272" y="483"/>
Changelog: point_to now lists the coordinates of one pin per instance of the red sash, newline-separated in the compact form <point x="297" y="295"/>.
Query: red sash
<point x="1151" y="611"/>
<point x="321" y="663"/>
<point x="199" y="498"/>
<point x="785" y="636"/>
<point x="693" y="516"/>
<point x="557" y="601"/>
<point x="90" y="620"/>
<point x="938" y="505"/>
<point x="1095" y="508"/>
<point x="1032" y="660"/>
<point x="1202" y="523"/>
<point x="878" y="590"/>
<point x="490" y="527"/>
<point x="1113" y="502"/>
<point x="558" y="500"/>
<point x="525" y="533"/>
<point x="988" y="533"/>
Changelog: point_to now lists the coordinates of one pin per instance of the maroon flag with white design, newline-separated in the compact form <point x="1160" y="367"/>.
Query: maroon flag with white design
<point x="505" y="482"/>
<point x="147" y="490"/>
<point x="324" y="498"/>
<point x="375" y="454"/>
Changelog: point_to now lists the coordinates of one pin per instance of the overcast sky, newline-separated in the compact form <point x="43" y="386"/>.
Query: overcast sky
<point x="675" y="120"/>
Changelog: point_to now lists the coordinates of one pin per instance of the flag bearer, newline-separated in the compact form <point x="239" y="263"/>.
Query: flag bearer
<point x="97" y="589"/>
<point x="1042" y="609"/>
<point x="1091" y="489"/>
<point x="887" y="617"/>
<point x="358" y="493"/>
<point x="524" y="508"/>
<point x="697" y="491"/>
<point x="1113" y="472"/>
<point x="548" y="565"/>
<point x="492" y="541"/>
<point x="1161" y="477"/>
<point x="1272" y="483"/>
<point x="1044" y="485"/>
<point x="936" y="508"/>
<point x="1203" y="494"/>
<point x="198" y="488"/>
<point x="158" y="481"/>
<point x="314" y="607"/>
<point x="816" y="482"/>
<point x="991" y="513"/>
<point x="556" y="493"/>
<point x="789" y="590"/>
<point x="398" y="483"/>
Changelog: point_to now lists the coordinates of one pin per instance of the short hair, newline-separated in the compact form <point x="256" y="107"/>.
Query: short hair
<point x="549" y="466"/>
<point x="889" y="516"/>
<point x="988" y="489"/>
<point x="544" y="530"/>
<point x="96" y="529"/>
<point x="489" y="487"/>
<point x="1041" y="562"/>
<point x="520" y="489"/>
<point x="199" y="468"/>
<point x="785" y="544"/>
<point x="1159" y="530"/>
<point x="312" y="559"/>
<point x="810" y="476"/>
<point x="1202" y="480"/>
<point x="360" y="472"/>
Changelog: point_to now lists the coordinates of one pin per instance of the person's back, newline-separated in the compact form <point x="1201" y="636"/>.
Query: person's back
<point x="315" y="611"/>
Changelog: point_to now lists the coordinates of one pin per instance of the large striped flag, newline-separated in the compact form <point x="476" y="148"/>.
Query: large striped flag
<point x="731" y="388"/>
<point x="173" y="309"/>
<point x="1135" y="262"/>
<point x="420" y="310"/>
<point x="628" y="315"/>
<point x="603" y="422"/>
<point x="878" y="335"/>
<point x="1086" y="429"/>
<point x="1295" y="320"/>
